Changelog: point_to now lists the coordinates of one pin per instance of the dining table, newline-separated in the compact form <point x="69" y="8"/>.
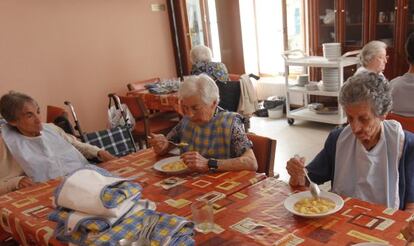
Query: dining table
<point x="24" y="213"/>
<point x="256" y="215"/>
<point x="158" y="102"/>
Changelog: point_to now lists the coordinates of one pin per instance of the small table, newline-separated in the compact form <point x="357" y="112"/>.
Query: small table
<point x="256" y="216"/>
<point x="158" y="102"/>
<point x="24" y="212"/>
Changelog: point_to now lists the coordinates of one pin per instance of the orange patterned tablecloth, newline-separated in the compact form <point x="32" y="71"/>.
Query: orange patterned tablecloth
<point x="24" y="212"/>
<point x="256" y="216"/>
<point x="159" y="102"/>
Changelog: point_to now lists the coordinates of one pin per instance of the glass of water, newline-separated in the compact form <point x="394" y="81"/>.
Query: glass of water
<point x="203" y="215"/>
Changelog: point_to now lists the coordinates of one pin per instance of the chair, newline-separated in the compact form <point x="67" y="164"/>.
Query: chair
<point x="59" y="117"/>
<point x="407" y="123"/>
<point x="264" y="149"/>
<point x="140" y="85"/>
<point x="146" y="123"/>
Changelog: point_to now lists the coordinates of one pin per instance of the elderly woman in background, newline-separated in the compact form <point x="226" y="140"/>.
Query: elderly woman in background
<point x="373" y="58"/>
<point x="216" y="139"/>
<point x="201" y="58"/>
<point x="371" y="158"/>
<point x="40" y="151"/>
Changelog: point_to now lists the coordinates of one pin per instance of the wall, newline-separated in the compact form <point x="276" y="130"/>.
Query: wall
<point x="80" y="50"/>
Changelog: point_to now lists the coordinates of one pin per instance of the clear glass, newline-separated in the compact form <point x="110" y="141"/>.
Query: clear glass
<point x="203" y="215"/>
<point x="385" y="25"/>
<point x="194" y="22"/>
<point x="354" y="22"/>
<point x="327" y="26"/>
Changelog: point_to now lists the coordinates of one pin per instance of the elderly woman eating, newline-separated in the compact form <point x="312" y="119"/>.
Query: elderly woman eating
<point x="202" y="63"/>
<point x="373" y="58"/>
<point x="371" y="158"/>
<point x="41" y="151"/>
<point x="215" y="138"/>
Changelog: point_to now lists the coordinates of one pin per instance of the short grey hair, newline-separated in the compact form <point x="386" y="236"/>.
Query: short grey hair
<point x="12" y="103"/>
<point x="200" y="53"/>
<point x="367" y="87"/>
<point x="370" y="50"/>
<point x="201" y="85"/>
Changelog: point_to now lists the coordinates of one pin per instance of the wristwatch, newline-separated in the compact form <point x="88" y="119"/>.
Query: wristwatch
<point x="212" y="164"/>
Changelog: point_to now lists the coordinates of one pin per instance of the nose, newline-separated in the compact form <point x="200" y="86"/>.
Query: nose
<point x="37" y="118"/>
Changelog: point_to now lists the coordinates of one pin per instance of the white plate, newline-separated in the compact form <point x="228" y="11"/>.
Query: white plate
<point x="159" y="164"/>
<point x="294" y="198"/>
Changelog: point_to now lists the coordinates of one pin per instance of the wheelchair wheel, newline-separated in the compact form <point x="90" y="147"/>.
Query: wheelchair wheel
<point x="290" y="121"/>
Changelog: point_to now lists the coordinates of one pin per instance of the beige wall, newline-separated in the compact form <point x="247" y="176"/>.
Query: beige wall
<point x="80" y="50"/>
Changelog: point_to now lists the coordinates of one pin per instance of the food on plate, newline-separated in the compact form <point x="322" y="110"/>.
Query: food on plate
<point x="312" y="205"/>
<point x="182" y="144"/>
<point x="174" y="166"/>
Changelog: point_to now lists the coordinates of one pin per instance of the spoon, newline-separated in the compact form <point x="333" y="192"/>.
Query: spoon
<point x="179" y="145"/>
<point x="314" y="188"/>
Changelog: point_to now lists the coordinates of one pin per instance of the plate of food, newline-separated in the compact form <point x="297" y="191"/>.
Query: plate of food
<point x="303" y="204"/>
<point x="171" y="165"/>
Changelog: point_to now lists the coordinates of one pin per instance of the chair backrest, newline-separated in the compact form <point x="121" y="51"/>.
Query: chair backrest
<point x="136" y="106"/>
<point x="233" y="76"/>
<point x="229" y="95"/>
<point x="407" y="123"/>
<point x="264" y="149"/>
<point x="140" y="85"/>
<point x="59" y="117"/>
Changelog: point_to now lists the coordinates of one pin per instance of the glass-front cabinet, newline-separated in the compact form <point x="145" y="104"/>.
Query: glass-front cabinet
<point x="354" y="27"/>
<point x="327" y="25"/>
<point x="385" y="21"/>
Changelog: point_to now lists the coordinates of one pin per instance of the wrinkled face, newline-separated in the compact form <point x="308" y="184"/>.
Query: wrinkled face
<point x="377" y="64"/>
<point x="364" y="124"/>
<point x="198" y="112"/>
<point x="28" y="120"/>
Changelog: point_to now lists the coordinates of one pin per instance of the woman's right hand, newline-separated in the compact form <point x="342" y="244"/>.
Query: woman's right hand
<point x="25" y="182"/>
<point x="295" y="167"/>
<point x="159" y="142"/>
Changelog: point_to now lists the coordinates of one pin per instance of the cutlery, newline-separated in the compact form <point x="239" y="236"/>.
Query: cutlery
<point x="314" y="188"/>
<point x="144" y="238"/>
<point x="179" y="145"/>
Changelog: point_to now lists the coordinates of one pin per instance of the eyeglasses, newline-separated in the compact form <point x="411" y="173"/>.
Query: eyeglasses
<point x="383" y="57"/>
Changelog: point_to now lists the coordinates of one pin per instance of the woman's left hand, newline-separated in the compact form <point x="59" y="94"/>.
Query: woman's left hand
<point x="195" y="161"/>
<point x="104" y="155"/>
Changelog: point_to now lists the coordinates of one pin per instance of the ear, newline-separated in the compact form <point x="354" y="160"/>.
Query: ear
<point x="215" y="103"/>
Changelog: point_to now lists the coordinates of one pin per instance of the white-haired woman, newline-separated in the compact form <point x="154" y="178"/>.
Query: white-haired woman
<point x="373" y="58"/>
<point x="202" y="63"/>
<point x="216" y="138"/>
<point x="371" y="158"/>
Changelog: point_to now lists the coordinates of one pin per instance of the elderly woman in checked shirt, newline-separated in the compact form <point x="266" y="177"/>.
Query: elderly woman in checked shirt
<point x="216" y="138"/>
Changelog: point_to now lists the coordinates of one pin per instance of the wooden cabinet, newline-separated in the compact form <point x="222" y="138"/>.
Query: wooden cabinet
<point x="356" y="22"/>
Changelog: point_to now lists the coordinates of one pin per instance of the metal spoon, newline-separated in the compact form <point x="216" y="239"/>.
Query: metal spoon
<point x="314" y="188"/>
<point x="179" y="145"/>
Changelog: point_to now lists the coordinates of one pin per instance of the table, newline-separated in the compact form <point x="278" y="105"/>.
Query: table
<point x="24" y="212"/>
<point x="158" y="102"/>
<point x="256" y="216"/>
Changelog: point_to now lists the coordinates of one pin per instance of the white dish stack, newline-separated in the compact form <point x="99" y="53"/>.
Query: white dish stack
<point x="330" y="79"/>
<point x="302" y="79"/>
<point x="332" y="51"/>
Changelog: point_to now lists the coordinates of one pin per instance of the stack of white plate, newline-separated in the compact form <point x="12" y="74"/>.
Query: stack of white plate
<point x="331" y="51"/>
<point x="330" y="78"/>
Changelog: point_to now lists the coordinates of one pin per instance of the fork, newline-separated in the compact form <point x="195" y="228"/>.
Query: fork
<point x="144" y="238"/>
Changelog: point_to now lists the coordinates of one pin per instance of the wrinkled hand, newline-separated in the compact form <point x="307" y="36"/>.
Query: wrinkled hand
<point x="195" y="161"/>
<point x="104" y="155"/>
<point x="295" y="168"/>
<point x="159" y="142"/>
<point x="408" y="231"/>
<point x="25" y="182"/>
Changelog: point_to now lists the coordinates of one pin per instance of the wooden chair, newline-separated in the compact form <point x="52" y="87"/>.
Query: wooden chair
<point x="407" y="123"/>
<point x="146" y="123"/>
<point x="140" y="85"/>
<point x="264" y="149"/>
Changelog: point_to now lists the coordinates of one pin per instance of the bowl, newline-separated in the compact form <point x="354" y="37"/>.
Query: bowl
<point x="296" y="197"/>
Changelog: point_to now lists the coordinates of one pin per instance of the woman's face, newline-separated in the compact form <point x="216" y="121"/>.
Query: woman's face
<point x="28" y="120"/>
<point x="198" y="112"/>
<point x="364" y="124"/>
<point x="378" y="62"/>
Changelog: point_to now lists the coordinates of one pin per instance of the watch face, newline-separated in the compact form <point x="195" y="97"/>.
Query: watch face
<point x="212" y="164"/>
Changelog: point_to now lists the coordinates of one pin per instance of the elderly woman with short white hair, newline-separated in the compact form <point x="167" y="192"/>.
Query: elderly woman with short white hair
<point x="215" y="139"/>
<point x="371" y="159"/>
<point x="201" y="58"/>
<point x="373" y="58"/>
